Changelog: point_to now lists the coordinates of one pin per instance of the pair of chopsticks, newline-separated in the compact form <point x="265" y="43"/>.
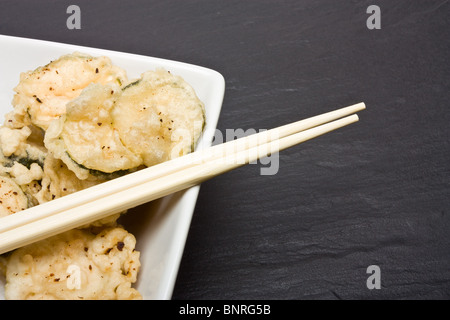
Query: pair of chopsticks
<point x="100" y="201"/>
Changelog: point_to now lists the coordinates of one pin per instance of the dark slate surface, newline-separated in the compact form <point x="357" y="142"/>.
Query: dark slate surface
<point x="374" y="193"/>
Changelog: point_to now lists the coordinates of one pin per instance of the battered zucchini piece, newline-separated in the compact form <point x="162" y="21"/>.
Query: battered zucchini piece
<point x="24" y="146"/>
<point x="58" y="181"/>
<point x="84" y="138"/>
<point x="13" y="141"/>
<point x="41" y="95"/>
<point x="108" y="129"/>
<point x="75" y="265"/>
<point x="12" y="198"/>
<point x="22" y="156"/>
<point x="159" y="117"/>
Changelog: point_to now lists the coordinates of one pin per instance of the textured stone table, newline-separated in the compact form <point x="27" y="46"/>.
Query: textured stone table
<point x="375" y="193"/>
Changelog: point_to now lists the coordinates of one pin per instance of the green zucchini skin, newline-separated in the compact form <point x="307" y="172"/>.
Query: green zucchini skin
<point x="25" y="161"/>
<point x="131" y="84"/>
<point x="103" y="175"/>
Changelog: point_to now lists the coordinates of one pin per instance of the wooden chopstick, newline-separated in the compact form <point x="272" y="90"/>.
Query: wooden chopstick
<point x="176" y="175"/>
<point x="168" y="167"/>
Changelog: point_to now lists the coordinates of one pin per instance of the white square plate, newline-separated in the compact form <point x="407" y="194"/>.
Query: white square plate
<point x="160" y="227"/>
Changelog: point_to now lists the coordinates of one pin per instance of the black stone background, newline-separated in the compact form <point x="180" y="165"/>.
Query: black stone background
<point x="374" y="193"/>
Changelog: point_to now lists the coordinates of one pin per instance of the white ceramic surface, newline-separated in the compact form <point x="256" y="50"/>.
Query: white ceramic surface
<point x="160" y="227"/>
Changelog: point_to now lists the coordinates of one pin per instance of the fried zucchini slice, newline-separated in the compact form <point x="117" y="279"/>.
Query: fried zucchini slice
<point x="42" y="94"/>
<point x="159" y="117"/>
<point x="85" y="139"/>
<point x="108" y="129"/>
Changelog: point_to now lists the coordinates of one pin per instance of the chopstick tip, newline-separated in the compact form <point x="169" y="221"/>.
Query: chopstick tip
<point x="361" y="105"/>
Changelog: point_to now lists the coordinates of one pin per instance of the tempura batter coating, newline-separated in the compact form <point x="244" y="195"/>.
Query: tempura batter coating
<point x="85" y="139"/>
<point x="42" y="94"/>
<point x="12" y="198"/>
<point x="75" y="265"/>
<point x="58" y="181"/>
<point x="109" y="129"/>
<point x="159" y="117"/>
